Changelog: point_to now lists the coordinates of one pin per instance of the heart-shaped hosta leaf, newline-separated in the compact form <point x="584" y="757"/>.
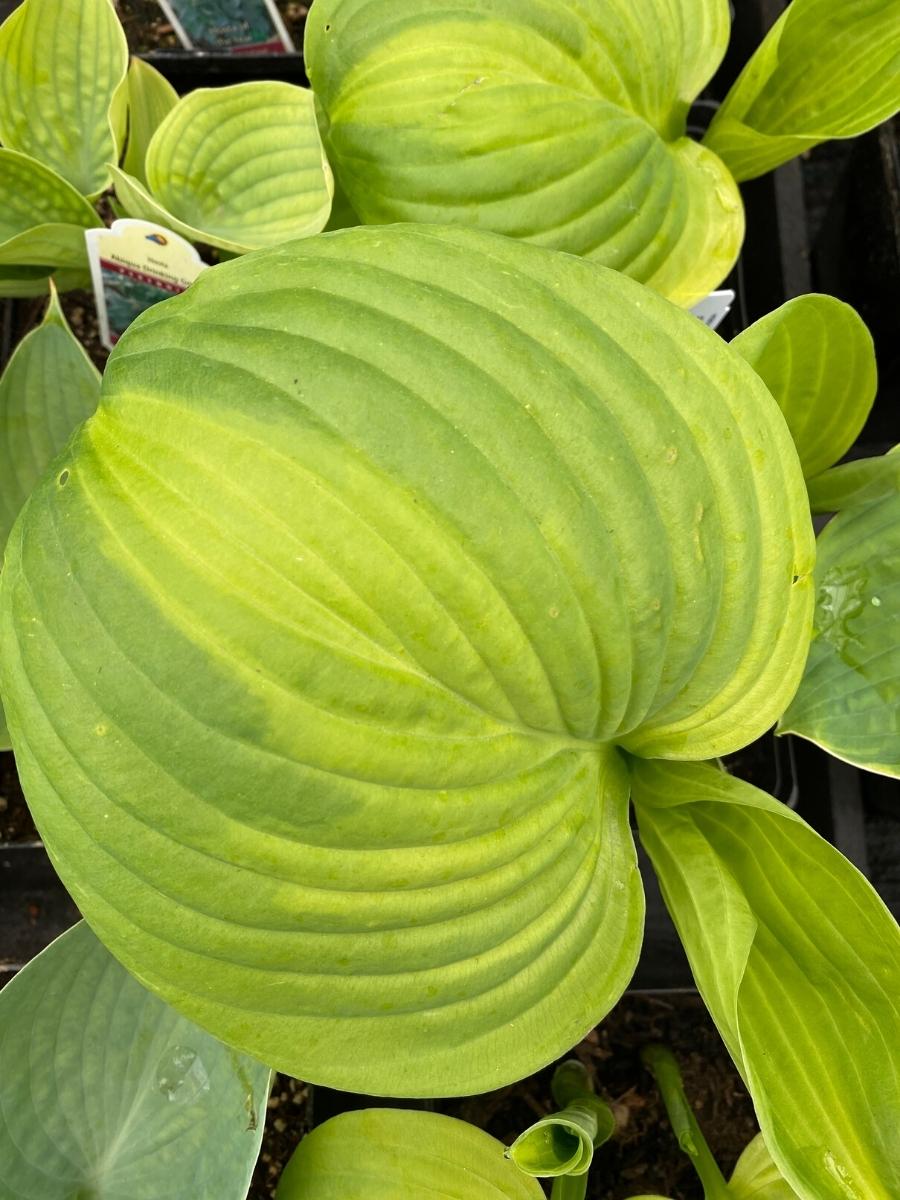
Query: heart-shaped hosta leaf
<point x="48" y="388"/>
<point x="42" y="224"/>
<point x="817" y="358"/>
<point x="849" y="699"/>
<point x="798" y="961"/>
<point x="319" y="638"/>
<point x="107" y="1092"/>
<point x="562" y="123"/>
<point x="61" y="64"/>
<point x="237" y="167"/>
<point x="150" y="100"/>
<point x="856" y="483"/>
<point x="827" y="69"/>
<point x="386" y="1153"/>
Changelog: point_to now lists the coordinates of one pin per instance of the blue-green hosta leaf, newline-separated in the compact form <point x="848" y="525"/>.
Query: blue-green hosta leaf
<point x="237" y="167"/>
<point x="384" y="1153"/>
<point x="563" y="1143"/>
<point x="150" y="100"/>
<point x="827" y="69"/>
<point x="62" y="63"/>
<point x="856" y="483"/>
<point x="48" y="388"/>
<point x="849" y="698"/>
<point x="42" y="224"/>
<point x="817" y="358"/>
<point x="756" y="1177"/>
<point x="559" y="122"/>
<point x="798" y="961"/>
<point x="107" y="1092"/>
<point x="382" y="540"/>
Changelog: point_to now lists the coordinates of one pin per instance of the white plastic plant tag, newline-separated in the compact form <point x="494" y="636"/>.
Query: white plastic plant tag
<point x="135" y="264"/>
<point x="228" y="26"/>
<point x="713" y="310"/>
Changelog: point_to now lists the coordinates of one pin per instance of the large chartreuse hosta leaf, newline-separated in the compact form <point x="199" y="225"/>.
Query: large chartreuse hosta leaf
<point x="107" y="1092"/>
<point x="319" y="638"/>
<point x="827" y="69"/>
<point x="849" y="699"/>
<point x="62" y="68"/>
<point x="561" y="122"/>
<point x="798" y="961"/>
<point x="238" y="167"/>
<point x="384" y="1153"/>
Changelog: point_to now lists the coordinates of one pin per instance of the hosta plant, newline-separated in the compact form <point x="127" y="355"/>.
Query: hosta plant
<point x="564" y="122"/>
<point x="391" y="565"/>
<point x="233" y="168"/>
<point x="106" y="1093"/>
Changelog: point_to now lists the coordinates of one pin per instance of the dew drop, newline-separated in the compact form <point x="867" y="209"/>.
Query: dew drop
<point x="181" y="1076"/>
<point x="876" y="600"/>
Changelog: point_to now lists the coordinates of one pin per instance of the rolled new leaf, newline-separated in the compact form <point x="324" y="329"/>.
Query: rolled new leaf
<point x="106" y="1091"/>
<point x="826" y="69"/>
<point x="62" y="74"/>
<point x="562" y="124"/>
<point x="384" y="1153"/>
<point x="564" y="1143"/>
<point x="849" y="697"/>
<point x="798" y="960"/>
<point x="817" y="358"/>
<point x="320" y="640"/>
<point x="237" y="167"/>
<point x="756" y="1177"/>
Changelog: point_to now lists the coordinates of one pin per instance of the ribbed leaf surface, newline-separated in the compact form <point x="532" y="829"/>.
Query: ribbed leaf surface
<point x="150" y="100"/>
<point x="107" y="1092"/>
<point x="849" y="698"/>
<point x="825" y="70"/>
<point x="561" y="123"/>
<point x="856" y="483"/>
<point x="237" y="167"/>
<point x="61" y="65"/>
<point x="817" y="358"/>
<point x="376" y="545"/>
<point x="384" y="1153"/>
<point x="798" y="961"/>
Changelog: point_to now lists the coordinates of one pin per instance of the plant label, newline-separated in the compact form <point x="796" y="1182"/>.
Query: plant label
<point x="229" y="26"/>
<point x="713" y="310"/>
<point x="134" y="265"/>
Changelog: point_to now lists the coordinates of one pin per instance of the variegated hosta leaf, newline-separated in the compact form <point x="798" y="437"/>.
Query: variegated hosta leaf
<point x="856" y="483"/>
<point x="384" y="539"/>
<point x="756" y="1177"/>
<point x="817" y="358"/>
<point x="798" y="961"/>
<point x="827" y="69"/>
<point x="236" y="167"/>
<point x="849" y="698"/>
<point x="61" y="64"/>
<point x="150" y="100"/>
<point x="559" y="123"/>
<point x="42" y="224"/>
<point x="385" y="1153"/>
<point x="106" y="1091"/>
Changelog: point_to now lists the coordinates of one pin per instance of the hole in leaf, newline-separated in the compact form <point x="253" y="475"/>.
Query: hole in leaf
<point x="63" y="478"/>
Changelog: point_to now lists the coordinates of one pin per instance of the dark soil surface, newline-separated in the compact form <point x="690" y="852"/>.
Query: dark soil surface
<point x="643" y="1156"/>
<point x="147" y="29"/>
<point x="16" y="824"/>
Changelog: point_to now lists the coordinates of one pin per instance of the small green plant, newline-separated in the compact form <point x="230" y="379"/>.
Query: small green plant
<point x="564" y="122"/>
<point x="391" y="566"/>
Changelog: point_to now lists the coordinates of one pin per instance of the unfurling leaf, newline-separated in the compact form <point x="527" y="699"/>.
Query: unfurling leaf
<point x="106" y="1091"/>
<point x="386" y="1153"/>
<point x="798" y="961"/>
<point x="563" y="1143"/>
<point x="827" y="69"/>
<point x="849" y="697"/>
<point x="378" y="546"/>
<point x="562" y="124"/>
